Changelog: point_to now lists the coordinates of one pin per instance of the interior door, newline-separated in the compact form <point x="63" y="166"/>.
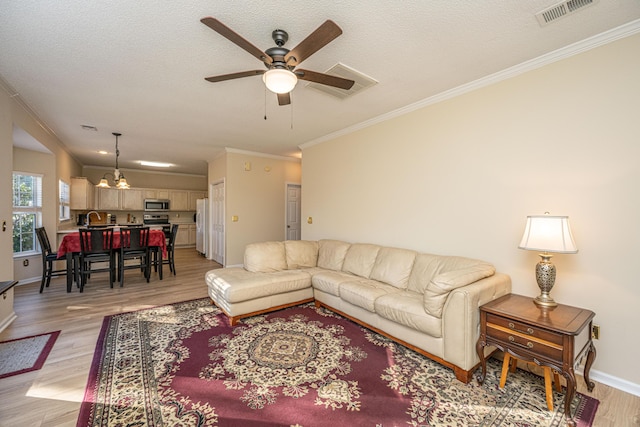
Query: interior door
<point x="217" y="223"/>
<point x="294" y="202"/>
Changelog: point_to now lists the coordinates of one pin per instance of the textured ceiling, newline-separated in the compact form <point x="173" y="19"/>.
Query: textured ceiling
<point x="138" y="67"/>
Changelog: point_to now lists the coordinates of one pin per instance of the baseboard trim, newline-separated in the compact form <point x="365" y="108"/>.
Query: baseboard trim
<point x="615" y="382"/>
<point x="7" y="321"/>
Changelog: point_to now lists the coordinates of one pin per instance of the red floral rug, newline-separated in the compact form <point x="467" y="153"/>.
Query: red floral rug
<point x="25" y="354"/>
<point x="183" y="365"/>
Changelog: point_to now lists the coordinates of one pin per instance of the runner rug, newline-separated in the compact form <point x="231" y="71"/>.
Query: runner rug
<point x="183" y="365"/>
<point x="25" y="354"/>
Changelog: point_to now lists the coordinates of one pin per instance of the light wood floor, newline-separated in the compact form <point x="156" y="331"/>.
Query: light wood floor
<point x="52" y="395"/>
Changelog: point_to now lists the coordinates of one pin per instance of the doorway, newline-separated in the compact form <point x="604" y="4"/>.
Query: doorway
<point x="217" y="223"/>
<point x="293" y="212"/>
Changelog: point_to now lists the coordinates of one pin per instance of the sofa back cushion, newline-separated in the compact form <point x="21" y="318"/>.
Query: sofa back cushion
<point x="360" y="259"/>
<point x="467" y="272"/>
<point x="265" y="257"/>
<point x="425" y="268"/>
<point x="331" y="254"/>
<point x="393" y="266"/>
<point x="301" y="253"/>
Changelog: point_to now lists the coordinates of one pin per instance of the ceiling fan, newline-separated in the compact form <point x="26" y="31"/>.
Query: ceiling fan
<point x="281" y="74"/>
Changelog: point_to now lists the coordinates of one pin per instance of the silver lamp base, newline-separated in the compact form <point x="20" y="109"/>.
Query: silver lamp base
<point x="546" y="278"/>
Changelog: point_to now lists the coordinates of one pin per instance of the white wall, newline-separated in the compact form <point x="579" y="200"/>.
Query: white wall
<point x="460" y="177"/>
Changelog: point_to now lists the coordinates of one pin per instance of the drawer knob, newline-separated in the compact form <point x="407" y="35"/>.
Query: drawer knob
<point x="528" y="331"/>
<point x="513" y="340"/>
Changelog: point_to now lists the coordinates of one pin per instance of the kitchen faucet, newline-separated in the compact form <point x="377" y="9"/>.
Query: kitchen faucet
<point x="88" y="215"/>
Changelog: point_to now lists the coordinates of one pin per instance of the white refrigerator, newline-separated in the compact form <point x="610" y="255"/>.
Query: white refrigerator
<point x="202" y="235"/>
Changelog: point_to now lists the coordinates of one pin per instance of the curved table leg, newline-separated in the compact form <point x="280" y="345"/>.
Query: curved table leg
<point x="483" y="363"/>
<point x="570" y="394"/>
<point x="591" y="356"/>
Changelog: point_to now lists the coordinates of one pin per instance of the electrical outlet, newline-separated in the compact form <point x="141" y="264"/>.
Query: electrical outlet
<point x="25" y="262"/>
<point x="595" y="332"/>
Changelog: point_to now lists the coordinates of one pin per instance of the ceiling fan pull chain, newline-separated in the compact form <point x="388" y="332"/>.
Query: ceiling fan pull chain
<point x="265" y="103"/>
<point x="291" y="116"/>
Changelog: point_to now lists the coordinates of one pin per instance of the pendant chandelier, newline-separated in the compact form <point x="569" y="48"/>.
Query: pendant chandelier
<point x="118" y="177"/>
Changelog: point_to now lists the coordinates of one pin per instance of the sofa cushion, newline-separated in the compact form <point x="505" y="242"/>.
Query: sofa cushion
<point x="364" y="292"/>
<point x="331" y="254"/>
<point x="440" y="286"/>
<point x="360" y="259"/>
<point x="237" y="284"/>
<point x="265" y="257"/>
<point x="393" y="266"/>
<point x="329" y="281"/>
<point x="406" y="308"/>
<point x="301" y="253"/>
<point x="425" y="268"/>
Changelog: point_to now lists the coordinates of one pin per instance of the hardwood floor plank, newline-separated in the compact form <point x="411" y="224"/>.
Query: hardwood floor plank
<point x="51" y="396"/>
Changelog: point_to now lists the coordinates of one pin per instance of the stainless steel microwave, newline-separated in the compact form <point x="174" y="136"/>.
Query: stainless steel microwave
<point x="156" y="205"/>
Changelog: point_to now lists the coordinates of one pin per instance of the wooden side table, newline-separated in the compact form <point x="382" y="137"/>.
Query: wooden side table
<point x="556" y="337"/>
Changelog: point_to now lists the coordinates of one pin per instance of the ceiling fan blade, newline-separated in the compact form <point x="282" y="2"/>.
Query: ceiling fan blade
<point x="232" y="76"/>
<point x="284" y="99"/>
<point x="325" y="79"/>
<point x="315" y="41"/>
<point x="234" y="37"/>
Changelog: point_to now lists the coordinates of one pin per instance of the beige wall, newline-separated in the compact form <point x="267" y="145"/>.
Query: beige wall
<point x="6" y="168"/>
<point x="256" y="197"/>
<point x="57" y="165"/>
<point x="145" y="179"/>
<point x="460" y="177"/>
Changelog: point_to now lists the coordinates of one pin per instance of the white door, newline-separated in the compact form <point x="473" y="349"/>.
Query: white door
<point x="293" y="211"/>
<point x="217" y="223"/>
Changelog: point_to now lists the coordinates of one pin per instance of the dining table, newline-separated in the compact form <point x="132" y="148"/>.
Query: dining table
<point x="70" y="249"/>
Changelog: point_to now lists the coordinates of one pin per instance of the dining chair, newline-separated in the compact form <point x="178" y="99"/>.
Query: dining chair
<point x="96" y="246"/>
<point x="48" y="258"/>
<point x="159" y="261"/>
<point x="134" y="245"/>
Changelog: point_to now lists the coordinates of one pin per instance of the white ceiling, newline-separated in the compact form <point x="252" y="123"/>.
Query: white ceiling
<point x="138" y="67"/>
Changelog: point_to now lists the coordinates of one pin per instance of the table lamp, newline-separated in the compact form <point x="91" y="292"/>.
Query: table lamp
<point x="547" y="233"/>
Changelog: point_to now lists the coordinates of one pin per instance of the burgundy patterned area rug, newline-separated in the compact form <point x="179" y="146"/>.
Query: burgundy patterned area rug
<point x="183" y="365"/>
<point x="25" y="354"/>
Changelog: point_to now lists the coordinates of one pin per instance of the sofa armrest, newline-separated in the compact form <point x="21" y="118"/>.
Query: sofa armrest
<point x="461" y="318"/>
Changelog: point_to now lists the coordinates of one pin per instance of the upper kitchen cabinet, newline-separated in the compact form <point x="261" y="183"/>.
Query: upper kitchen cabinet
<point x="155" y="193"/>
<point x="193" y="196"/>
<point x="179" y="200"/>
<point x="109" y="199"/>
<point x="82" y="194"/>
<point x="132" y="199"/>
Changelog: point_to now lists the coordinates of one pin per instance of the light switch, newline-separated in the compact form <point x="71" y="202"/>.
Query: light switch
<point x="247" y="166"/>
<point x="309" y="220"/>
<point x="234" y="218"/>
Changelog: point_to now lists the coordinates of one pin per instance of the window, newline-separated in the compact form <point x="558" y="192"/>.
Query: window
<point x="64" y="201"/>
<point x="27" y="211"/>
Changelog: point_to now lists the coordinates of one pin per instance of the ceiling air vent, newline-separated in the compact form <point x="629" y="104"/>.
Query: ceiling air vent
<point x="559" y="10"/>
<point x="361" y="81"/>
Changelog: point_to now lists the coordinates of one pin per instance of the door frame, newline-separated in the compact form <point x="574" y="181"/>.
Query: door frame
<point x="287" y="184"/>
<point x="210" y="242"/>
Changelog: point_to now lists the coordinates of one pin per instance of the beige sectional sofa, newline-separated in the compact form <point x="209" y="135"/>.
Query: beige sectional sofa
<point x="426" y="302"/>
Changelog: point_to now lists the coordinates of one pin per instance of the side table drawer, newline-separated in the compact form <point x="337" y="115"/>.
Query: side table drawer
<point x="525" y="330"/>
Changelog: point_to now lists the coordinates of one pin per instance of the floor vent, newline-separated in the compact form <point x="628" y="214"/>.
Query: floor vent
<point x="559" y="10"/>
<point x="362" y="81"/>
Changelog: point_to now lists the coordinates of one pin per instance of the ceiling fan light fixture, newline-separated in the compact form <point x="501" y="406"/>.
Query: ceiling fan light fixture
<point x="280" y="80"/>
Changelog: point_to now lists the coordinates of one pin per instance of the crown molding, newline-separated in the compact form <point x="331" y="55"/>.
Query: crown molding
<point x="257" y="154"/>
<point x="587" y="44"/>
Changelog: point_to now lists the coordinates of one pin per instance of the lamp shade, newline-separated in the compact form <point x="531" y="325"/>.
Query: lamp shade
<point x="548" y="234"/>
<point x="279" y="80"/>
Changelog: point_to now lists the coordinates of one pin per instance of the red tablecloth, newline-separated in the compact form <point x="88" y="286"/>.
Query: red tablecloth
<point x="71" y="242"/>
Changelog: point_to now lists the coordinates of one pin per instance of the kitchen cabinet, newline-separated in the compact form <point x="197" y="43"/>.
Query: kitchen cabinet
<point x="109" y="199"/>
<point x="82" y="194"/>
<point x="132" y="199"/>
<point x="179" y="200"/>
<point x="195" y="195"/>
<point x="155" y="193"/>
<point x="192" y="235"/>
<point x="182" y="238"/>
